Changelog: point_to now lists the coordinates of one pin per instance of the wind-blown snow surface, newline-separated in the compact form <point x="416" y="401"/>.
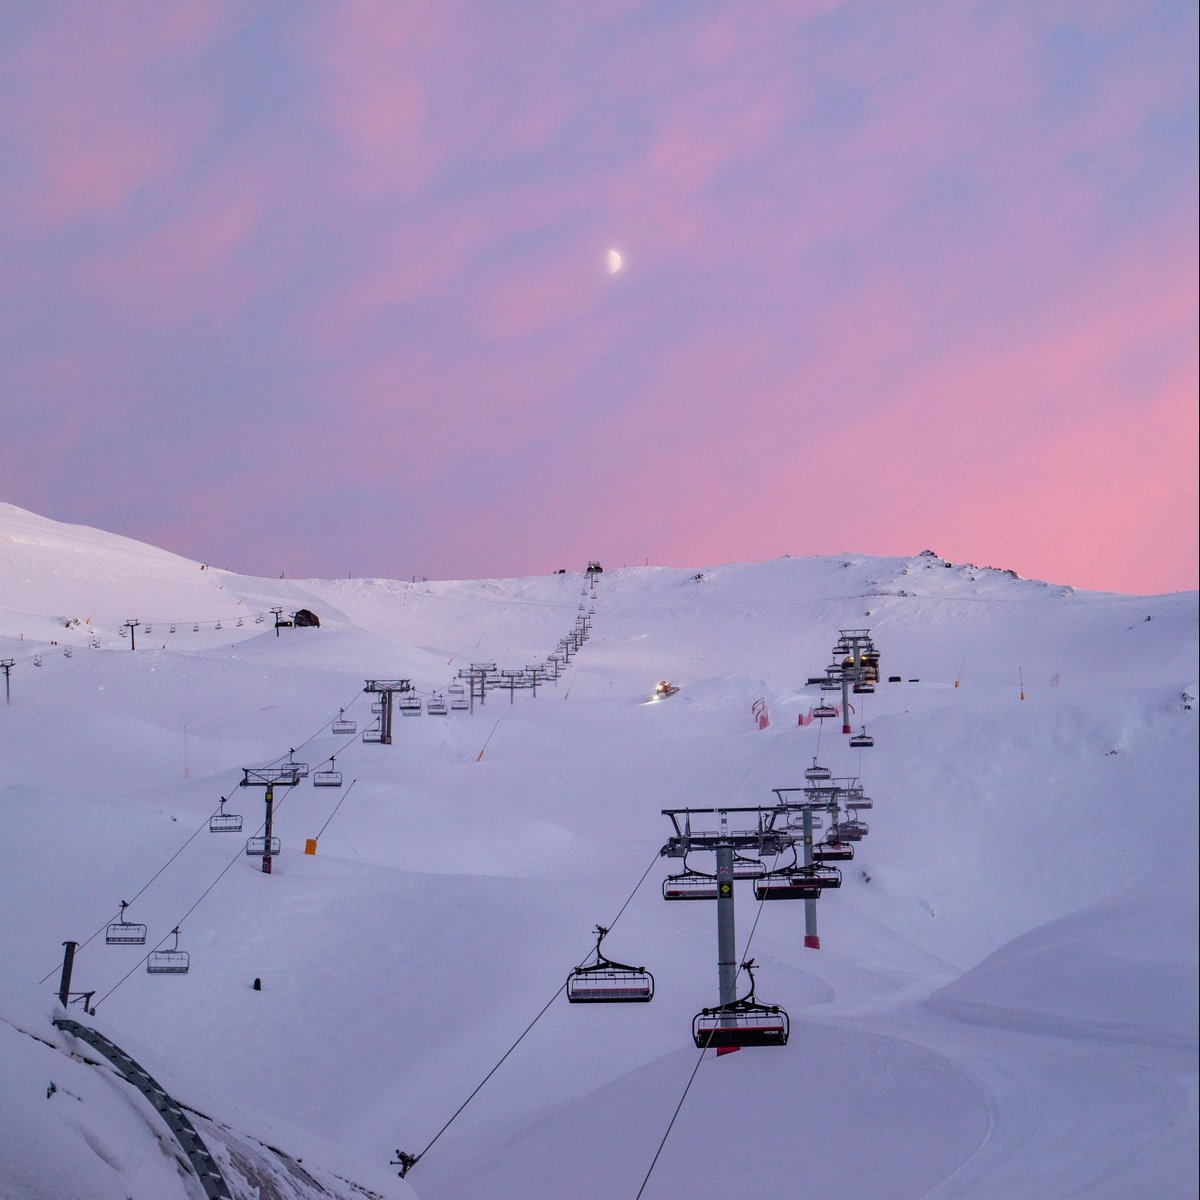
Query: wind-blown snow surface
<point x="1006" y="1008"/>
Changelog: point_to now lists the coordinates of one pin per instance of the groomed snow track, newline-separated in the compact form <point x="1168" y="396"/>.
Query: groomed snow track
<point x="203" y="1163"/>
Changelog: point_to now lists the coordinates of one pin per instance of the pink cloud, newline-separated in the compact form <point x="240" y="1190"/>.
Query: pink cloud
<point x="92" y="124"/>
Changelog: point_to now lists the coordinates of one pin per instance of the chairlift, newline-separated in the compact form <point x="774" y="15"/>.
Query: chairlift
<point x="824" y="711"/>
<point x="797" y="882"/>
<point x="437" y="706"/>
<point x="196" y="627"/>
<point x="858" y="803"/>
<point x="172" y="627"/>
<point x="795" y="820"/>
<point x="149" y="628"/>
<point x="37" y="660"/>
<point x="608" y="982"/>
<point x="95" y="643"/>
<point x="257" y="847"/>
<point x="169" y="962"/>
<point x="851" y="830"/>
<point x="68" y="652"/>
<point x="124" y="630"/>
<point x="343" y="725"/>
<point x="745" y="867"/>
<point x="330" y="778"/>
<point x="409" y="706"/>
<point x="743" y="1022"/>
<point x="217" y="625"/>
<point x="240" y="622"/>
<point x="223" y="822"/>
<point x="861" y="740"/>
<point x="373" y="736"/>
<point x="377" y="706"/>
<point x="832" y="850"/>
<point x="865" y="688"/>
<point x="259" y="619"/>
<point x="458" y="696"/>
<point x="301" y="768"/>
<point x="690" y="885"/>
<point x="125" y="933"/>
<point x="816" y="771"/>
<point x="831" y="683"/>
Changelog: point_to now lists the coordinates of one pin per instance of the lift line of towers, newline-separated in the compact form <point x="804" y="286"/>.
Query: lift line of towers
<point x="479" y="679"/>
<point x="742" y="839"/>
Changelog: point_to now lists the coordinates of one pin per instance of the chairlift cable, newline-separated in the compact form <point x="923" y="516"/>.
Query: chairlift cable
<point x="341" y="800"/>
<point x="545" y="1008"/>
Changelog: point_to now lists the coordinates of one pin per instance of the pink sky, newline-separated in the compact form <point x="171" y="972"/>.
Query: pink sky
<point x="322" y="289"/>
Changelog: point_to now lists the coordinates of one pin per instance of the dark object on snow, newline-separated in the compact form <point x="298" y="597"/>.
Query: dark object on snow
<point x="894" y="679"/>
<point x="257" y="984"/>
<point x="561" y="571"/>
<point x="594" y="568"/>
<point x="306" y="617"/>
<point x="405" y="1162"/>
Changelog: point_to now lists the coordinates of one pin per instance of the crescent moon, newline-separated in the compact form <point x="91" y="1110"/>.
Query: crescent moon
<point x="615" y="262"/>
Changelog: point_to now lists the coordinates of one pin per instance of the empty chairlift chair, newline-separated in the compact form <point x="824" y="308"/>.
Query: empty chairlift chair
<point x="223" y="822"/>
<point x="851" y="830"/>
<point x="342" y="724"/>
<point x="745" y="867"/>
<point x="797" y="882"/>
<point x="862" y="740"/>
<point x="409" y="706"/>
<point x="169" y="962"/>
<point x="301" y="768"/>
<point x="824" y="711"/>
<point x="257" y="847"/>
<point x="458" y="697"/>
<point x="125" y="933"/>
<point x="329" y="778"/>
<point x="437" y="706"/>
<point x="608" y="982"/>
<point x="743" y="1022"/>
<point x="832" y="850"/>
<point x="816" y="771"/>
<point x="690" y="885"/>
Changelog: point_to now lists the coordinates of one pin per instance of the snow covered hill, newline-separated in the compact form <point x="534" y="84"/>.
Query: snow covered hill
<point x="1004" y="1002"/>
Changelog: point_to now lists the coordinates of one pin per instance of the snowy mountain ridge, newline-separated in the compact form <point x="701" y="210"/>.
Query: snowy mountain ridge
<point x="1010" y="960"/>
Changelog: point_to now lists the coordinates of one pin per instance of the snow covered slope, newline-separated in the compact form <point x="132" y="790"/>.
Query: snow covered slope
<point x="1004" y="1001"/>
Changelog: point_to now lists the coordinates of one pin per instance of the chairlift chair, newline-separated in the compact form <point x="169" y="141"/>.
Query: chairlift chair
<point x="858" y="803"/>
<point x="68" y="652"/>
<point x="124" y="630"/>
<point x="169" y="962"/>
<point x="37" y="660"/>
<point x="125" y="933"/>
<point x="149" y="628"/>
<point x="240" y="622"/>
<point x="852" y="830"/>
<point x="816" y="771"/>
<point x="259" y="619"/>
<point x="409" y="706"/>
<point x="824" y="711"/>
<point x="832" y="851"/>
<point x="458" y="697"/>
<point x="301" y="768"/>
<point x="743" y="1022"/>
<point x="437" y="706"/>
<point x="343" y="725"/>
<point x="861" y="740"/>
<point x="172" y="629"/>
<point x="608" y="982"/>
<point x="217" y="625"/>
<point x="223" y="822"/>
<point x="196" y="627"/>
<point x="95" y="643"/>
<point x="797" y="882"/>
<point x="257" y="847"/>
<point x="330" y="778"/>
<point x="690" y="885"/>
<point x="373" y="736"/>
<point x="745" y="867"/>
<point x="864" y="688"/>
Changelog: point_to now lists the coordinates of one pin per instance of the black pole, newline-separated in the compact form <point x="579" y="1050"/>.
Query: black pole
<point x="64" y="987"/>
<point x="266" y="862"/>
<point x="8" y="664"/>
